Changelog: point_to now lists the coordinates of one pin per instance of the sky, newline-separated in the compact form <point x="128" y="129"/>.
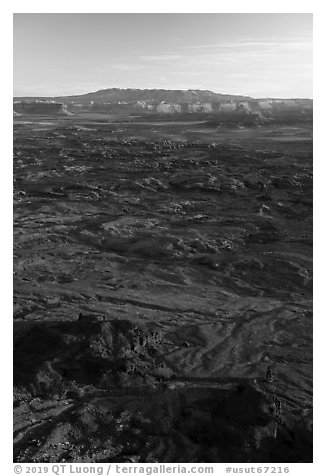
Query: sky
<point x="259" y="55"/>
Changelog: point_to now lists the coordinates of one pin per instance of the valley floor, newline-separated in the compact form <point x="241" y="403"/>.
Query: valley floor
<point x="162" y="292"/>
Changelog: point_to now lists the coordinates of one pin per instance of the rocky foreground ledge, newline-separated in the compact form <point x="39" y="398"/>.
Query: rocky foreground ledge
<point x="100" y="391"/>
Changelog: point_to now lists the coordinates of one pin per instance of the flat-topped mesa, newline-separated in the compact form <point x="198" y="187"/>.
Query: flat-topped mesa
<point x="220" y="107"/>
<point x="40" y="108"/>
<point x="116" y="95"/>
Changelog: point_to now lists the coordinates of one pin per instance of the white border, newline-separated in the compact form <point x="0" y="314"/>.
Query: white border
<point x="161" y="6"/>
<point x="166" y="6"/>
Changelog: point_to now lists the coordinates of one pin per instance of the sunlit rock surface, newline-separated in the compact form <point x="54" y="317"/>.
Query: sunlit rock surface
<point x="162" y="292"/>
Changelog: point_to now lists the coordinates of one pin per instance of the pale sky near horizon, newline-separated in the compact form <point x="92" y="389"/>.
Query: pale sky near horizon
<point x="260" y="55"/>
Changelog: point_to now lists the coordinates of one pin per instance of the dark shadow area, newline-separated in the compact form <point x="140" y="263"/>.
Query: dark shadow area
<point x="121" y="409"/>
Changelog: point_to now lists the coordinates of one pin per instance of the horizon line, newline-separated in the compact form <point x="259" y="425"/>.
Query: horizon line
<point x="160" y="89"/>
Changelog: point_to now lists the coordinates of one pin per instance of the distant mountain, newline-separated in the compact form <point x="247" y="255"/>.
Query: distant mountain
<point x="222" y="108"/>
<point x="116" y="95"/>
